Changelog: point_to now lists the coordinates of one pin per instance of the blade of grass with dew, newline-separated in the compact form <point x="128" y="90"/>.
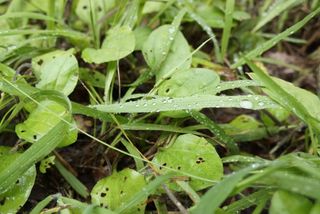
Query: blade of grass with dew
<point x="214" y="197"/>
<point x="290" y="102"/>
<point x="157" y="127"/>
<point x="28" y="15"/>
<point x="216" y="130"/>
<point x="146" y="191"/>
<point x="133" y="150"/>
<point x="209" y="31"/>
<point x="253" y="102"/>
<point x="288" y="39"/>
<point x="43" y="147"/>
<point x="65" y="33"/>
<point x="104" y="143"/>
<point x="272" y="42"/>
<point x="296" y="183"/>
<point x="275" y="10"/>
<point x="228" y="17"/>
<point x="72" y="180"/>
<point x="78" y="108"/>
<point x="236" y="84"/>
<point x="248" y="201"/>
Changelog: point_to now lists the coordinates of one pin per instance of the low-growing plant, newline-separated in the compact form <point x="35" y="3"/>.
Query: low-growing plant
<point x="148" y="106"/>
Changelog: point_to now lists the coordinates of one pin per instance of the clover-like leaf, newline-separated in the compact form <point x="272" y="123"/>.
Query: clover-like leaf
<point x="46" y="115"/>
<point x="284" y="202"/>
<point x="119" y="43"/>
<point x="166" y="51"/>
<point x="13" y="198"/>
<point x="117" y="189"/>
<point x="57" y="70"/>
<point x="193" y="155"/>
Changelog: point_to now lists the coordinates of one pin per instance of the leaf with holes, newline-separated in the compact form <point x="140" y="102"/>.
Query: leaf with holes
<point x="193" y="155"/>
<point x="13" y="198"/>
<point x="119" y="43"/>
<point x="100" y="8"/>
<point x="284" y="202"/>
<point x="57" y="70"/>
<point x="44" y="118"/>
<point x="116" y="190"/>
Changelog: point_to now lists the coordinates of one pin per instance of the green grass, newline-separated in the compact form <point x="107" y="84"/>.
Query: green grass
<point x="159" y="106"/>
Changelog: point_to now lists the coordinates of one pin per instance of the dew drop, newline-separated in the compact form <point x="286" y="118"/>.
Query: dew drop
<point x="261" y="103"/>
<point x="171" y="30"/>
<point x="246" y="104"/>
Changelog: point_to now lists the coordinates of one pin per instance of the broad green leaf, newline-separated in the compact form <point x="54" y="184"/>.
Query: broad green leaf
<point x="141" y="35"/>
<point x="150" y="7"/>
<point x="212" y="15"/>
<point x="299" y="101"/>
<point x="281" y="114"/>
<point x="17" y="194"/>
<point x="166" y="51"/>
<point x="242" y="123"/>
<point x="57" y="70"/>
<point x="315" y="209"/>
<point x="119" y="43"/>
<point x="92" y="77"/>
<point x="117" y="189"/>
<point x="46" y="115"/>
<point x="193" y="155"/>
<point x="187" y="103"/>
<point x="284" y="202"/>
<point x="142" y="194"/>
<point x="100" y="7"/>
<point x="194" y="81"/>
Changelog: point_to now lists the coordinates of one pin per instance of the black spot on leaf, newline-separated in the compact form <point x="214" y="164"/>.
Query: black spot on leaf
<point x="2" y="201"/>
<point x="103" y="194"/>
<point x="84" y="7"/>
<point x="34" y="137"/>
<point x="40" y="62"/>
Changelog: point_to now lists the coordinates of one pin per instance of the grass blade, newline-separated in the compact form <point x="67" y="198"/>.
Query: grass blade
<point x="216" y="130"/>
<point x="275" y="10"/>
<point x="213" y="198"/>
<point x="290" y="103"/>
<point x="72" y="180"/>
<point x="188" y="103"/>
<point x="227" y="27"/>
<point x="272" y="42"/>
<point x="37" y="151"/>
